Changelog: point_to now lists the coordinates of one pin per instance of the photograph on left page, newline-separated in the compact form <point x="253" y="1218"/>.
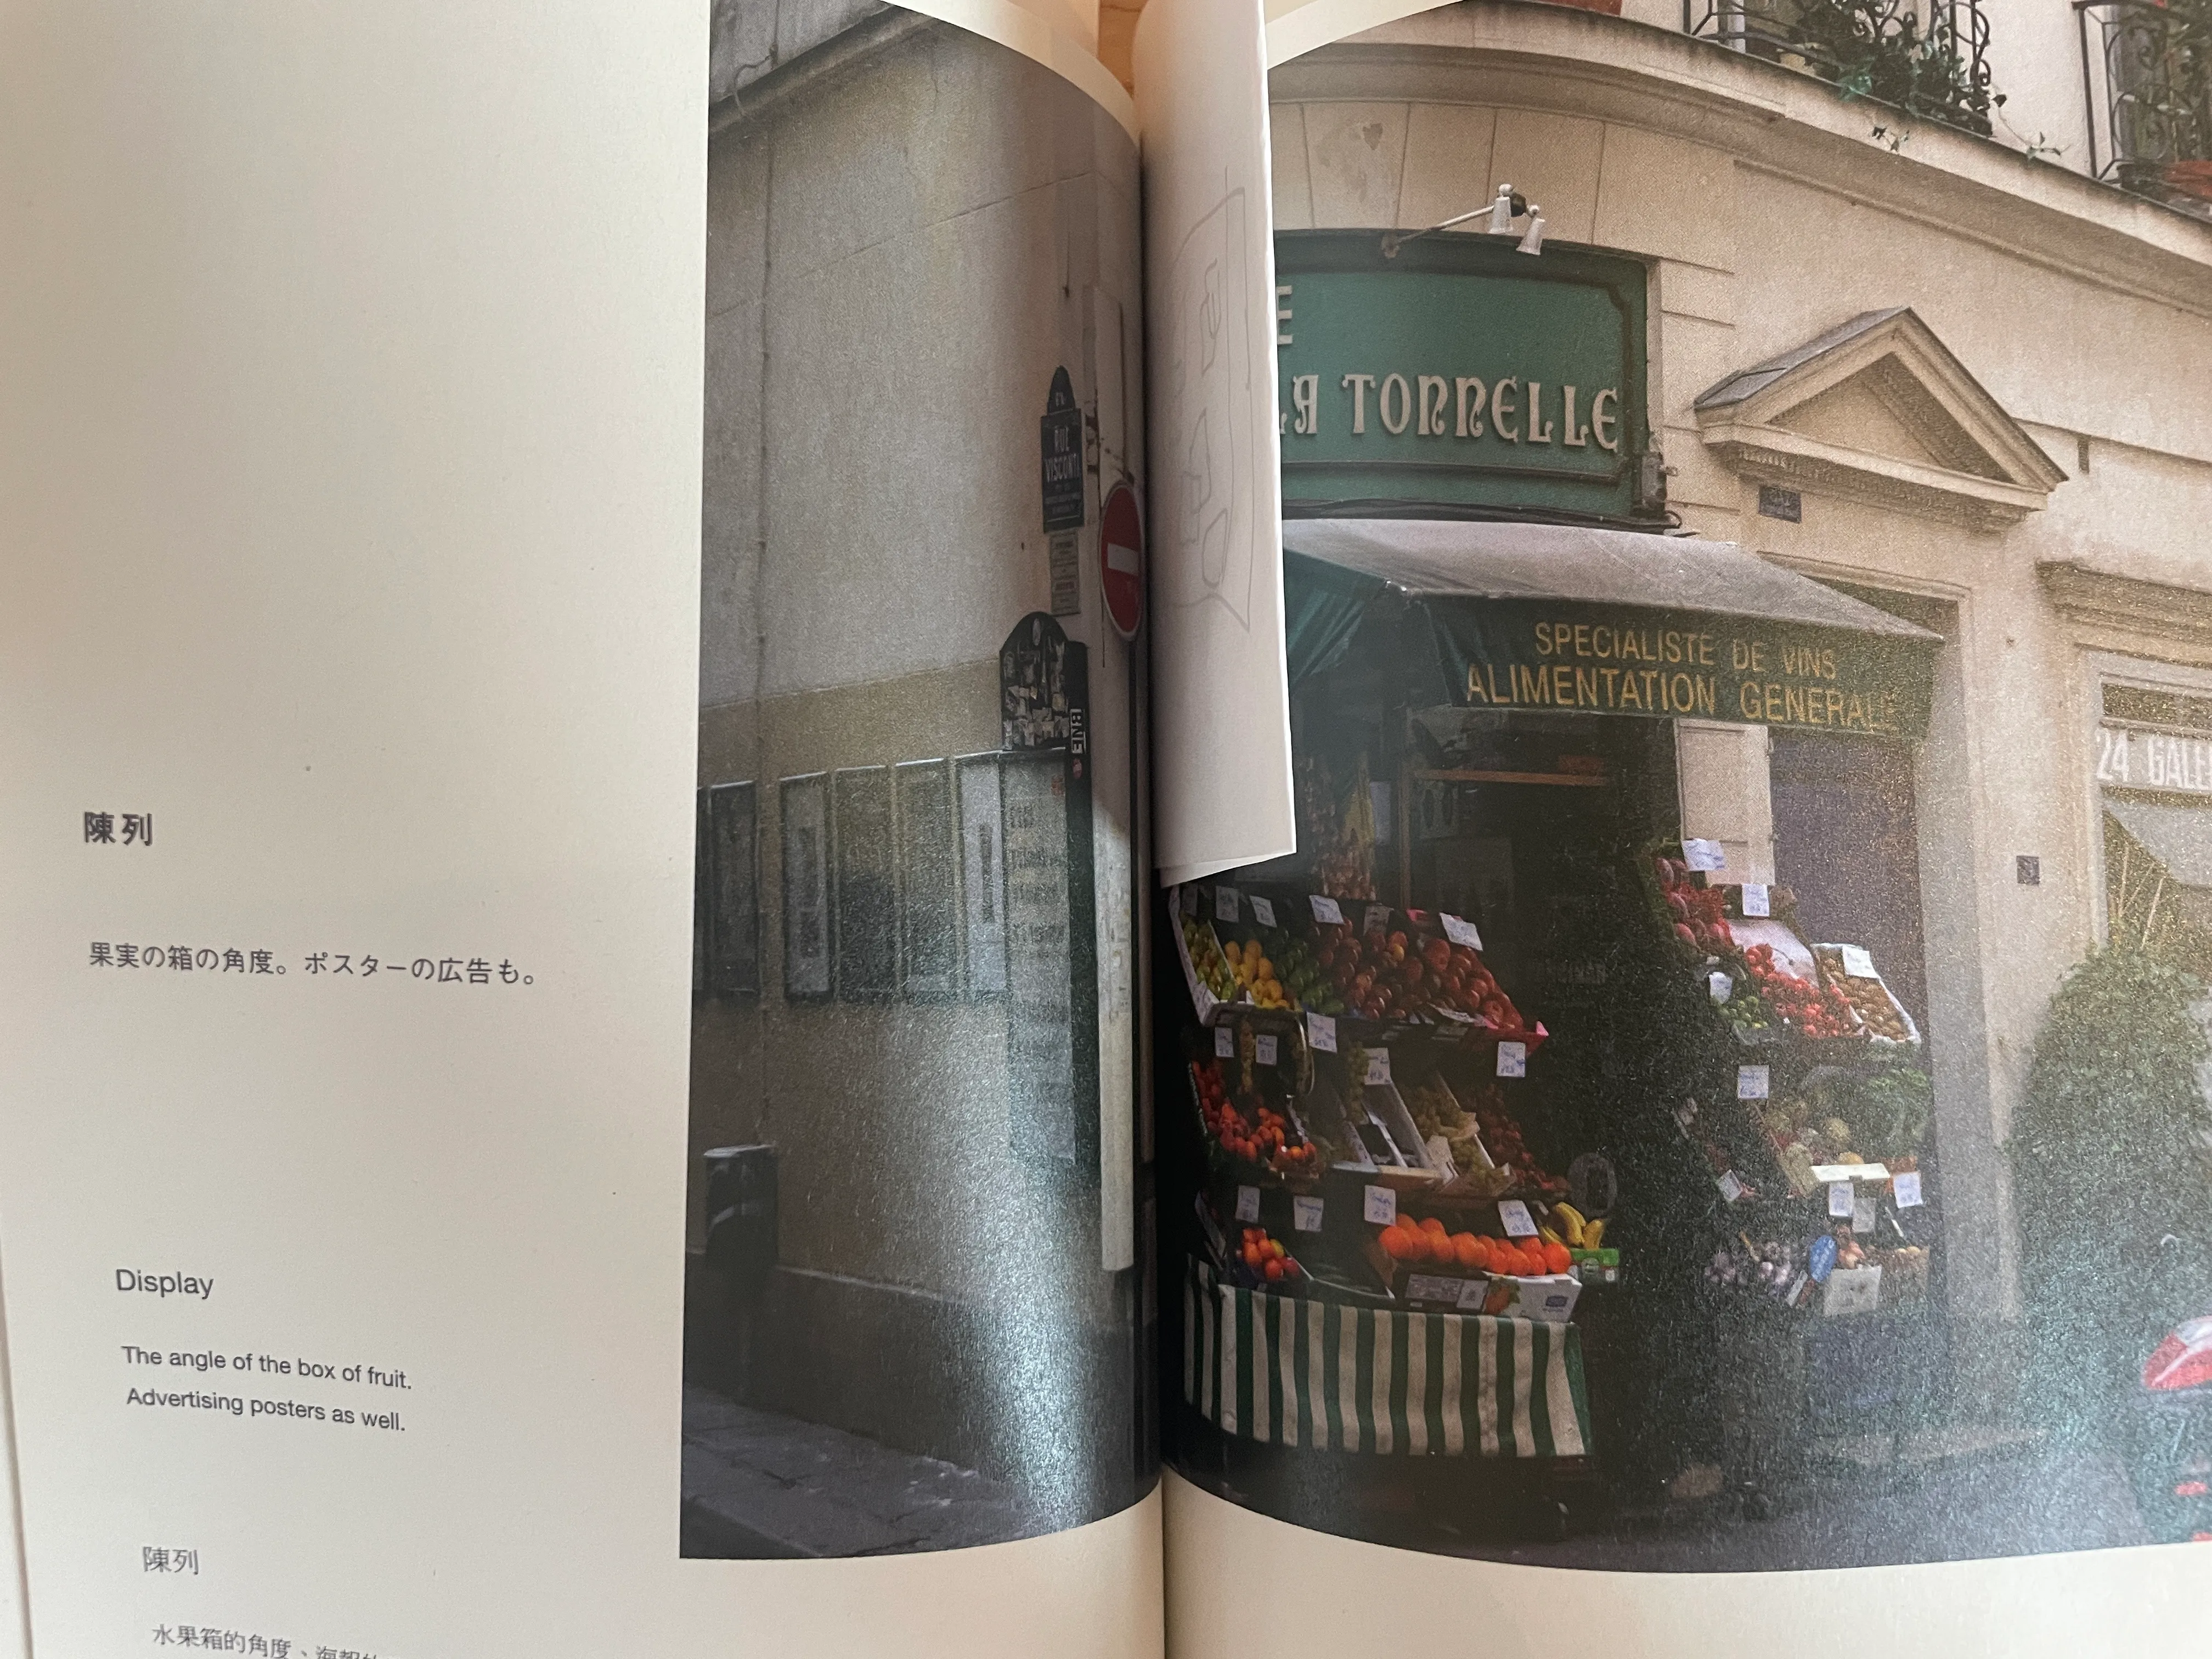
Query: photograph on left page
<point x="917" y="1302"/>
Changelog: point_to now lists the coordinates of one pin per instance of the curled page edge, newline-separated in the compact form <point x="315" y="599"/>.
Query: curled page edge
<point x="1221" y="750"/>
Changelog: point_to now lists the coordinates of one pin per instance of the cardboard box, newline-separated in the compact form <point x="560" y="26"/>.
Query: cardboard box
<point x="1551" y="1299"/>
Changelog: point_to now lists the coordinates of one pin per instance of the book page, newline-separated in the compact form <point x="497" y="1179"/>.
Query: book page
<point x="1701" y="1145"/>
<point x="575" y="788"/>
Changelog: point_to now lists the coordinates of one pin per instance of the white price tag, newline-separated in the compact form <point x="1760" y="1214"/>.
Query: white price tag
<point x="1321" y="1032"/>
<point x="1719" y="987"/>
<point x="1841" y="1203"/>
<point x="1859" y="962"/>
<point x="1265" y="1048"/>
<point x="1325" y="910"/>
<point x="1224" y="904"/>
<point x="1248" y="1203"/>
<point x="1731" y="1186"/>
<point x="1460" y="931"/>
<point x="1378" y="915"/>
<point x="1263" y="911"/>
<point x="1512" y="1060"/>
<point x="1704" y="855"/>
<point x="1188" y="898"/>
<point x="1472" y="1294"/>
<point x="1378" y="1066"/>
<point x="1379" y="1204"/>
<point x="1513" y="1216"/>
<point x="1224" y="1042"/>
<point x="1861" y="1208"/>
<point x="1907" y="1185"/>
<point x="1751" y="1083"/>
<point x="1756" y="902"/>
<point x="1305" y="1215"/>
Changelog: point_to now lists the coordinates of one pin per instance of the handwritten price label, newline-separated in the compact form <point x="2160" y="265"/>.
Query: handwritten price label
<point x="1224" y="1043"/>
<point x="1263" y="911"/>
<point x="1325" y="910"/>
<point x="1459" y="932"/>
<point x="1305" y="1215"/>
<point x="1512" y="1060"/>
<point x="1841" y="1204"/>
<point x="1321" y="1032"/>
<point x="1248" y="1203"/>
<point x="1907" y="1186"/>
<point x="1378" y="1066"/>
<point x="1379" y="1204"/>
<point x="1756" y="902"/>
<point x="1751" y="1082"/>
<point x="1704" y="855"/>
<point x="1224" y="904"/>
<point x="1513" y="1216"/>
<point x="1266" y="1048"/>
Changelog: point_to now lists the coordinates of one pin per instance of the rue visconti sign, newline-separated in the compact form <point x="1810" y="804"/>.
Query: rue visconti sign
<point x="1531" y="654"/>
<point x="2129" y="757"/>
<point x="1458" y="371"/>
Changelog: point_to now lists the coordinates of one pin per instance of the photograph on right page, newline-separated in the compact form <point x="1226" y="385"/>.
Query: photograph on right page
<point x="1722" y="1084"/>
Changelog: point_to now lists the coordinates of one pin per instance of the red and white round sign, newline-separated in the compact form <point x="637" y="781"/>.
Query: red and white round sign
<point x="1121" y="560"/>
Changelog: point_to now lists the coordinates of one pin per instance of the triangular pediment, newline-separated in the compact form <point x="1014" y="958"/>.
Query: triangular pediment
<point x="1878" y="409"/>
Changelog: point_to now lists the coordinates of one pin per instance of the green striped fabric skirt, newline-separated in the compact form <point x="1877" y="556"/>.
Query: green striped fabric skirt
<point x="1291" y="1371"/>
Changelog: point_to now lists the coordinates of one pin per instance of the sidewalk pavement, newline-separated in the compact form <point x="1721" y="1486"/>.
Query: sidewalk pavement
<point x="761" y="1485"/>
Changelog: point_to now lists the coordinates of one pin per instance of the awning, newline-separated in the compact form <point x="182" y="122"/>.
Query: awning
<point x="2179" y="838"/>
<point x="1558" y="618"/>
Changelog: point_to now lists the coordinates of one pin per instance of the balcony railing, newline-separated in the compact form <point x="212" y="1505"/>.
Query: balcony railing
<point x="1928" y="58"/>
<point x="2147" y="73"/>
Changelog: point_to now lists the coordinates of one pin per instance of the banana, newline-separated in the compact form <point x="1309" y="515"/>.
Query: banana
<point x="1593" y="1232"/>
<point x="1571" y="1225"/>
<point x="1549" y="1237"/>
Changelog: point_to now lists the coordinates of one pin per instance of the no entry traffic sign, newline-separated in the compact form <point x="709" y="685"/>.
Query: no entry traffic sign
<point x="1121" y="560"/>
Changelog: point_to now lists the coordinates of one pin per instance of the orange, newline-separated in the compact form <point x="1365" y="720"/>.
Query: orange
<point x="1463" y="1245"/>
<point x="1430" y="1224"/>
<point x="1556" y="1258"/>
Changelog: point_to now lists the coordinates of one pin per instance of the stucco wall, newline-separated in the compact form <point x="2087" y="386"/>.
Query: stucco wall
<point x="907" y="232"/>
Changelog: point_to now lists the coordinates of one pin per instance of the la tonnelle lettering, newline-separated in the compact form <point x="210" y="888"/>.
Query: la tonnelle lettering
<point x="1463" y="406"/>
<point x="163" y="1284"/>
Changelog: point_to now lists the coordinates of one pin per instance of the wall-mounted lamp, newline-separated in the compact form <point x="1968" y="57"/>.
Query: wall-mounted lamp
<point x="1501" y="212"/>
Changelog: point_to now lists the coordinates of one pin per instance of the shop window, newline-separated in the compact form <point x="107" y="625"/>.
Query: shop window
<point x="928" y="878"/>
<point x="982" y="875"/>
<point x="866" y="884"/>
<point x="731" y="930"/>
<point x="806" y="898"/>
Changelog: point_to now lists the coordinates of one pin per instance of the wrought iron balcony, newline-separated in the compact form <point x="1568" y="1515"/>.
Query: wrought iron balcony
<point x="1928" y="58"/>
<point x="2147" y="72"/>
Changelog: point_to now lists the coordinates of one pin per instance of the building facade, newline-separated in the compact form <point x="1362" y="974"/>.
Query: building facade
<point x="1957" y="362"/>
<point x="921" y="246"/>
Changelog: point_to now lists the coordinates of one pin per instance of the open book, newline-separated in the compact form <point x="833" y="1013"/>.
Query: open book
<point x="995" y="829"/>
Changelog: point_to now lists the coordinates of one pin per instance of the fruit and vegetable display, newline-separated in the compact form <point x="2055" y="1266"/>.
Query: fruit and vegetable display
<point x="1426" y="1241"/>
<point x="1248" y="1127"/>
<point x="1265" y="1256"/>
<point x="1255" y="973"/>
<point x="1570" y="1226"/>
<point x="1698" y="913"/>
<point x="1207" y="960"/>
<point x="1391" y="974"/>
<point x="1501" y="1135"/>
<point x="1811" y="1010"/>
<point x="1869" y="998"/>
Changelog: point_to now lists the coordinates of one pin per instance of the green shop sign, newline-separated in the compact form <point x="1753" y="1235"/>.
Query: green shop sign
<point x="1459" y="372"/>
<point x="1563" y="657"/>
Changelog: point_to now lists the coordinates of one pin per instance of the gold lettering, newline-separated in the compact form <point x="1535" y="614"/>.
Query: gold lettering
<point x="1470" y="413"/>
<point x="1747" y="694"/>
<point x="1405" y="404"/>
<point x="1682" y="691"/>
<point x="1502" y="406"/>
<point x="1581" y="640"/>
<point x="1431" y="388"/>
<point x="1610" y="675"/>
<point x="1605" y="425"/>
<point x="1834" y="699"/>
<point x="1540" y="429"/>
<point x="1563" y="686"/>
<point x="1773" y="704"/>
<point x="1357" y="385"/>
<point x="1575" y="439"/>
<point x="1628" y="696"/>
